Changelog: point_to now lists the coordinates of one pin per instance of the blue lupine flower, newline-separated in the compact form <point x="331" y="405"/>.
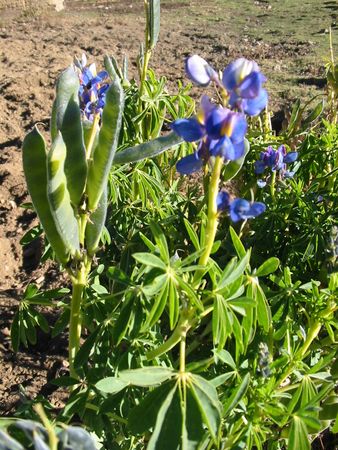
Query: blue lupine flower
<point x="220" y="132"/>
<point x="199" y="71"/>
<point x="243" y="81"/>
<point x="93" y="88"/>
<point x="276" y="160"/>
<point x="239" y="209"/>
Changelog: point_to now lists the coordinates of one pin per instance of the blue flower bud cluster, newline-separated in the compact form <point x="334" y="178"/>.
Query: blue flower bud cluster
<point x="93" y="88"/>
<point x="220" y="130"/>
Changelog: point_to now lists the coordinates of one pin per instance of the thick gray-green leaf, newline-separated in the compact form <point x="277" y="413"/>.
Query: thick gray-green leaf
<point x="58" y="196"/>
<point x="66" y="117"/>
<point x="103" y="154"/>
<point x="153" y="22"/>
<point x="147" y="149"/>
<point x="146" y="376"/>
<point x="35" y="169"/>
<point x="111" y="385"/>
<point x="95" y="224"/>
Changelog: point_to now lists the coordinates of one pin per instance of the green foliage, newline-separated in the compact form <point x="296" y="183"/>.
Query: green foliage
<point x="233" y="351"/>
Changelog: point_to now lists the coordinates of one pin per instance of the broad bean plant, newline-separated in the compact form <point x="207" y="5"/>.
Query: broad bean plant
<point x="195" y="334"/>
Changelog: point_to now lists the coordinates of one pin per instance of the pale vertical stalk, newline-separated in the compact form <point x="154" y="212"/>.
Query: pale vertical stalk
<point x="212" y="220"/>
<point x="273" y="186"/>
<point x="75" y="324"/>
<point x="52" y="437"/>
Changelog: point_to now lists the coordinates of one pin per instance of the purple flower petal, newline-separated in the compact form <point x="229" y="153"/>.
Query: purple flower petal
<point x="251" y="85"/>
<point x="261" y="183"/>
<point x="239" y="209"/>
<point x="189" y="164"/>
<point x="215" y="122"/>
<point x="256" y="209"/>
<point x="198" y="70"/>
<point x="236" y="71"/>
<point x="189" y="129"/>
<point x="222" y="201"/>
<point x="290" y="157"/>
<point x="254" y="106"/>
<point x="259" y="167"/>
<point x="236" y="127"/>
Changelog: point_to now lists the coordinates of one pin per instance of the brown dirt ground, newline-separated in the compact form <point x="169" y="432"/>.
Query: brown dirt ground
<point x="35" y="46"/>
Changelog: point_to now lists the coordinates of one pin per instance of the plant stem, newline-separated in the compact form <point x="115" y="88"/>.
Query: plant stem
<point x="182" y="350"/>
<point x="52" y="438"/>
<point x="272" y="186"/>
<point x="212" y="220"/>
<point x="185" y="323"/>
<point x="75" y="325"/>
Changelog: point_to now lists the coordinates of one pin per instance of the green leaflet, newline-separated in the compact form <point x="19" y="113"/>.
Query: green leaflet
<point x="148" y="149"/>
<point x="95" y="224"/>
<point x="153" y="22"/>
<point x="35" y="168"/>
<point x="59" y="198"/>
<point x="66" y="117"/>
<point x="103" y="154"/>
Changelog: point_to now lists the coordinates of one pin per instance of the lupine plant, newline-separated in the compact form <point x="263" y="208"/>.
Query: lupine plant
<point x="196" y="335"/>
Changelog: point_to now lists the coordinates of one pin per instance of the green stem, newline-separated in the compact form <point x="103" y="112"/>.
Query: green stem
<point x="272" y="186"/>
<point x="75" y="324"/>
<point x="182" y="350"/>
<point x="52" y="437"/>
<point x="185" y="323"/>
<point x="212" y="220"/>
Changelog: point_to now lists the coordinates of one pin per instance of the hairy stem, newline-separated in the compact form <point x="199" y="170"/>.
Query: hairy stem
<point x="52" y="437"/>
<point x="75" y="325"/>
<point x="212" y="220"/>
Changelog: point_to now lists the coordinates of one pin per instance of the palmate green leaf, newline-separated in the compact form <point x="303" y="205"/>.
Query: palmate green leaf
<point x="239" y="247"/>
<point x="35" y="169"/>
<point x="269" y="266"/>
<point x="167" y="432"/>
<point x="146" y="376"/>
<point x="158" y="306"/>
<point x="206" y="397"/>
<point x="229" y="277"/>
<point x="124" y="318"/>
<point x="298" y="436"/>
<point x="233" y="167"/>
<point x="226" y="358"/>
<point x="59" y="198"/>
<point x="103" y="154"/>
<point x="161" y="241"/>
<point x="143" y="417"/>
<point x="66" y="118"/>
<point x="150" y="260"/>
<point x="192" y="234"/>
<point x="147" y="149"/>
<point x="174" y="304"/>
<point x="263" y="309"/>
<point x="237" y="395"/>
<point x="111" y="385"/>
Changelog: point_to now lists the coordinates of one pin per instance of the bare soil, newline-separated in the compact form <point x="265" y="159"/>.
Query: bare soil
<point x="35" y="46"/>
